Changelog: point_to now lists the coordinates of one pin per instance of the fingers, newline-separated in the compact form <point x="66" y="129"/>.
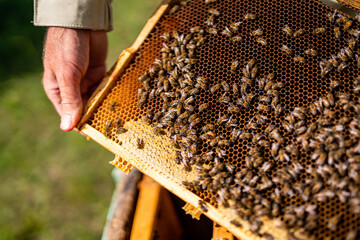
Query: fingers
<point x="71" y="102"/>
<point x="52" y="91"/>
<point x="66" y="59"/>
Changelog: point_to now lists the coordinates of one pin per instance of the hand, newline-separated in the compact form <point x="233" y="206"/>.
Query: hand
<point x="74" y="63"/>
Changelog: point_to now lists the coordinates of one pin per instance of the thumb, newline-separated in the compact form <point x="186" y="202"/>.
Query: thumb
<point x="71" y="102"/>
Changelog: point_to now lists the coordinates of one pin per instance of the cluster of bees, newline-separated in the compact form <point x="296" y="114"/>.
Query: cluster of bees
<point x="171" y="80"/>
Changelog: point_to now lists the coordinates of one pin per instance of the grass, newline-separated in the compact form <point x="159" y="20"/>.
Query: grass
<point x="56" y="185"/>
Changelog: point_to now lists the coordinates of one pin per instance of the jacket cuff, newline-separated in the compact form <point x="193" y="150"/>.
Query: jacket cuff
<point x="82" y="14"/>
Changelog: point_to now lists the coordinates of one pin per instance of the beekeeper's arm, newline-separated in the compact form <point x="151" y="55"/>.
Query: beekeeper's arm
<point x="74" y="52"/>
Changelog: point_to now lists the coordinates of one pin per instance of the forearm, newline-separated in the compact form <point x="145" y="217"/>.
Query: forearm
<point x="82" y="14"/>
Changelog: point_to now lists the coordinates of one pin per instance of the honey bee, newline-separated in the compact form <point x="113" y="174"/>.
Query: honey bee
<point x="265" y="167"/>
<point x="224" y="100"/>
<point x="264" y="108"/>
<point x="112" y="106"/>
<point x="203" y="107"/>
<point x="245" y="135"/>
<point x="236" y="223"/>
<point x="250" y="16"/>
<point x="337" y="32"/>
<point x="227" y="32"/>
<point x="319" y="30"/>
<point x="174" y="9"/>
<point x="207" y="127"/>
<point x="351" y="235"/>
<point x="215" y="88"/>
<point x="254" y="71"/>
<point x="210" y="21"/>
<point x="257" y="32"/>
<point x="342" y="66"/>
<point x="235" y="26"/>
<point x="348" y="25"/>
<point x="121" y="130"/>
<point x="144" y="77"/>
<point x="286" y="49"/>
<point x="333" y="222"/>
<point x="234" y="66"/>
<point x="261" y="40"/>
<point x="225" y="85"/>
<point x="331" y="17"/>
<point x="233" y="109"/>
<point x="196" y="29"/>
<point x="203" y="206"/>
<point x="311" y="52"/>
<point x="108" y="126"/>
<point x="213" y="31"/>
<point x="236" y="38"/>
<point x="299" y="32"/>
<point x="354" y="32"/>
<point x="214" y="12"/>
<point x="299" y="59"/>
<point x="287" y="30"/>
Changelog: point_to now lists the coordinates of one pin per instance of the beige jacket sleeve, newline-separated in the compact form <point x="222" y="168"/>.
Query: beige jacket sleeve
<point x="84" y="14"/>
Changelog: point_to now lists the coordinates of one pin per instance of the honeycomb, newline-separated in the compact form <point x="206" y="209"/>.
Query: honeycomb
<point x="261" y="101"/>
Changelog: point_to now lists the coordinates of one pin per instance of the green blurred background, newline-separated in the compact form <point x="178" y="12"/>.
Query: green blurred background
<point x="53" y="185"/>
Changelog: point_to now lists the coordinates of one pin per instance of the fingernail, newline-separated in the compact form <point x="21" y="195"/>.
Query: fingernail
<point x="66" y="122"/>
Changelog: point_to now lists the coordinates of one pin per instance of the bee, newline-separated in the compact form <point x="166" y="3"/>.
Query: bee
<point x="189" y="100"/>
<point x="227" y="32"/>
<point x="333" y="222"/>
<point x="286" y="49"/>
<point x="331" y="17"/>
<point x="174" y="9"/>
<point x="341" y="19"/>
<point x="250" y="16"/>
<point x="146" y="85"/>
<point x="214" y="12"/>
<point x="196" y="29"/>
<point x="299" y="59"/>
<point x="234" y="66"/>
<point x="261" y="40"/>
<point x="299" y="32"/>
<point x="234" y="109"/>
<point x="235" y="89"/>
<point x="264" y="108"/>
<point x="215" y="88"/>
<point x="260" y="119"/>
<point x="287" y="30"/>
<point x="337" y="32"/>
<point x="207" y="127"/>
<point x="144" y="77"/>
<point x="235" y="26"/>
<point x="121" y="130"/>
<point x="203" y="107"/>
<point x="257" y="32"/>
<point x="203" y="206"/>
<point x="351" y="235"/>
<point x="107" y="129"/>
<point x="224" y="100"/>
<point x="225" y="85"/>
<point x="112" y="106"/>
<point x="245" y="135"/>
<point x="342" y="66"/>
<point x="254" y="71"/>
<point x="236" y="223"/>
<point x="236" y="38"/>
<point x="311" y="52"/>
<point x="347" y="25"/>
<point x="319" y="30"/>
<point x="213" y="31"/>
<point x="210" y="21"/>
<point x="210" y="1"/>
